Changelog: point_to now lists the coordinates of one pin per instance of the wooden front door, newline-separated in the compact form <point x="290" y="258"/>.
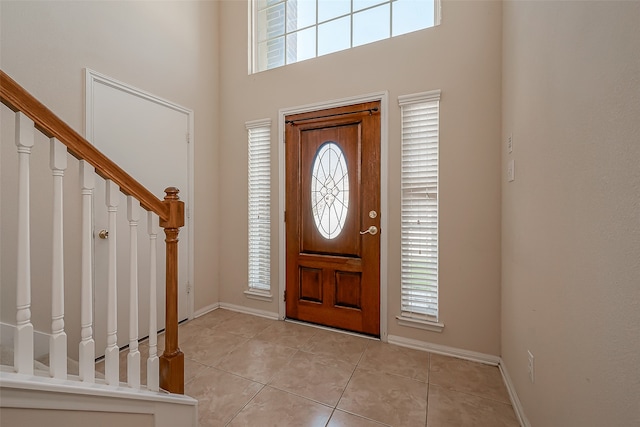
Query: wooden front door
<point x="333" y="217"/>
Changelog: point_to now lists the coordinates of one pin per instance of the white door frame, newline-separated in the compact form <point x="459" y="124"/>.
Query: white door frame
<point x="93" y="77"/>
<point x="383" y="97"/>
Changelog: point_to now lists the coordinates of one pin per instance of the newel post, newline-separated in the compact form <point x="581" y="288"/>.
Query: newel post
<point x="172" y="360"/>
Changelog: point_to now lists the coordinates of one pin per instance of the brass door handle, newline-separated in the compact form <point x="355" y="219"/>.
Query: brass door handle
<point x="103" y="234"/>
<point x="373" y="230"/>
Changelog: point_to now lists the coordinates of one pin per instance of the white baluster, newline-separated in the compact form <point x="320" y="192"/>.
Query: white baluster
<point x="87" y="345"/>
<point x="58" y="339"/>
<point x="153" y="362"/>
<point x="23" y="338"/>
<point x="133" y="358"/>
<point x="112" y="365"/>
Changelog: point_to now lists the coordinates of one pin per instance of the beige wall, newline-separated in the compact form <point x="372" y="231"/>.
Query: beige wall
<point x="462" y="57"/>
<point x="167" y="48"/>
<point x="571" y="219"/>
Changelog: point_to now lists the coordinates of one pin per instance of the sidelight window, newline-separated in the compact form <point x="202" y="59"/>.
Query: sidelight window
<point x="419" y="207"/>
<point x="288" y="31"/>
<point x="259" y="207"/>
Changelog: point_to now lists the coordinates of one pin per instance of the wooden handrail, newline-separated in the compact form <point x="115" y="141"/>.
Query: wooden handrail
<point x="18" y="99"/>
<point x="170" y="210"/>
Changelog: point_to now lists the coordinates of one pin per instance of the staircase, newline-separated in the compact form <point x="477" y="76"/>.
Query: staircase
<point x="57" y="393"/>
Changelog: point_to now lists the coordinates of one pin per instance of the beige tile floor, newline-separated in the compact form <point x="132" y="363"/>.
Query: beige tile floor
<point x="250" y="371"/>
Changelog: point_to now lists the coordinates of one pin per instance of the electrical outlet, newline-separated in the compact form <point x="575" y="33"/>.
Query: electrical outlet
<point x="530" y="366"/>
<point x="510" y="143"/>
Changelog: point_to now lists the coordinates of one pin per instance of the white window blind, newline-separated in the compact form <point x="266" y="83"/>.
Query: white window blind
<point x="259" y="205"/>
<point x="419" y="206"/>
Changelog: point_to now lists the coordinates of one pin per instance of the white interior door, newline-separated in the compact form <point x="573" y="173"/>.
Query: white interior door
<point x="149" y="138"/>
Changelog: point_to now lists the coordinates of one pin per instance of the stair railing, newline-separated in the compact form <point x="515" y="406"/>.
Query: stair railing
<point x="167" y="371"/>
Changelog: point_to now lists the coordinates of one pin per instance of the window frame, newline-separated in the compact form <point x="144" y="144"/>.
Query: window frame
<point x="253" y="30"/>
<point x="259" y="169"/>
<point x="414" y="180"/>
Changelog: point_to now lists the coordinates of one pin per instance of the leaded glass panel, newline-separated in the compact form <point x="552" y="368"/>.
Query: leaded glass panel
<point x="329" y="190"/>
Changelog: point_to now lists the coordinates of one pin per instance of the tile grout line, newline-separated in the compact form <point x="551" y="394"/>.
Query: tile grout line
<point x="265" y="384"/>
<point x="245" y="405"/>
<point x="361" y="359"/>
<point x="333" y="411"/>
<point x="473" y="395"/>
<point x="347" y="384"/>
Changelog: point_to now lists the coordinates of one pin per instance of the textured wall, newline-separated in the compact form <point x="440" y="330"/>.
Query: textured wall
<point x="571" y="219"/>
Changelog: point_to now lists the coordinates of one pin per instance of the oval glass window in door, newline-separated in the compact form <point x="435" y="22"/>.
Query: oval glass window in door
<point x="329" y="190"/>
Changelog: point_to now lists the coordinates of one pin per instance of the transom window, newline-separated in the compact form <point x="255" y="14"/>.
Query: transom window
<point x="289" y="31"/>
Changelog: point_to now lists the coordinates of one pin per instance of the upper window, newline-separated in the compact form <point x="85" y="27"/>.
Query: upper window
<point x="288" y="31"/>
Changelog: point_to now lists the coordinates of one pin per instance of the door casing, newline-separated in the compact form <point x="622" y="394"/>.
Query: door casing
<point x="92" y="79"/>
<point x="384" y="199"/>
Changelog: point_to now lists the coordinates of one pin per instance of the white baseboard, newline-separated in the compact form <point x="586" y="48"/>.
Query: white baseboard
<point x="515" y="401"/>
<point x="473" y="356"/>
<point x="205" y="310"/>
<point x="247" y="310"/>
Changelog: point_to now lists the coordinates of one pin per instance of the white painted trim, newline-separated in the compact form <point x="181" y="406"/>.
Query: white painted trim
<point x="437" y="13"/>
<point x="515" y="401"/>
<point x="383" y="97"/>
<point x="420" y="324"/>
<point x="473" y="356"/>
<point x="248" y="310"/>
<point x="168" y="410"/>
<point x="92" y="77"/>
<point x="190" y="218"/>
<point x="258" y="295"/>
<point x="415" y="98"/>
<point x="282" y="232"/>
<point x="251" y="30"/>
<point x="204" y="310"/>
<point x="17" y="381"/>
<point x="384" y="213"/>
<point x="258" y="123"/>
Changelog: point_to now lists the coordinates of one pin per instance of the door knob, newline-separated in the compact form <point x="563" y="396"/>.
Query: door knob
<point x="373" y="230"/>
<point x="103" y="234"/>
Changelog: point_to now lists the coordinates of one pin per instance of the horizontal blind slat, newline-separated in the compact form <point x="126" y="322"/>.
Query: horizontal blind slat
<point x="259" y="227"/>
<point x="419" y="208"/>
